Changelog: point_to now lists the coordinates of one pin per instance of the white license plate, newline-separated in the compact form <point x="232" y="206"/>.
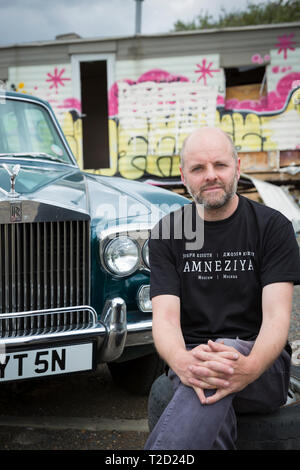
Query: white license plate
<point x="48" y="361"/>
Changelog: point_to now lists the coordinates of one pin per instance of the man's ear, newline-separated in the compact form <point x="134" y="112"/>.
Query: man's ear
<point x="238" y="167"/>
<point x="182" y="175"/>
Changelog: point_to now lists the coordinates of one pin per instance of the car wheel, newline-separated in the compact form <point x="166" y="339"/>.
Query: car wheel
<point x="279" y="430"/>
<point x="137" y="375"/>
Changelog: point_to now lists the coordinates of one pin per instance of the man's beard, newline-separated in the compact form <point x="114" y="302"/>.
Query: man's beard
<point x="219" y="201"/>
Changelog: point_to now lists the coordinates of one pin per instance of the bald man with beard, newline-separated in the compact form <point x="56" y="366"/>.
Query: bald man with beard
<point x="221" y="311"/>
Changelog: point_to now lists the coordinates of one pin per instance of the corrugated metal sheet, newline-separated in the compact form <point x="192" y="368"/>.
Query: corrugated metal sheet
<point x="185" y="67"/>
<point x="235" y="45"/>
<point x="279" y="198"/>
<point x="92" y="47"/>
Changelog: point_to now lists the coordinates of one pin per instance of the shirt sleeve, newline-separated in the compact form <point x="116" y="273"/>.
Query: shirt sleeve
<point x="164" y="278"/>
<point x="280" y="259"/>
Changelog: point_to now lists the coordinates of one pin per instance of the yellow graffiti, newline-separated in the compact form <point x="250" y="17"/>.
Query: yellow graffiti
<point x="21" y="88"/>
<point x="73" y="133"/>
<point x="113" y="139"/>
<point x="249" y="133"/>
<point x="151" y="149"/>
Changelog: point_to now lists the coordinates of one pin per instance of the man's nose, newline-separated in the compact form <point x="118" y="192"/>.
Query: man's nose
<point x="210" y="174"/>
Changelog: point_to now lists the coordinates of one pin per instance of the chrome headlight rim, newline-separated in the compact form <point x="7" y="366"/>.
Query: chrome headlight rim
<point x="109" y="267"/>
<point x="145" y="254"/>
<point x="138" y="232"/>
<point x="144" y="288"/>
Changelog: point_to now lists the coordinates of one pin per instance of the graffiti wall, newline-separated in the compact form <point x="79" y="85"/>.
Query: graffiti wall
<point x="155" y="103"/>
<point x="153" y="112"/>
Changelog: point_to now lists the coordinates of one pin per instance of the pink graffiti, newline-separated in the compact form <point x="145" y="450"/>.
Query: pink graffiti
<point x="160" y="76"/>
<point x="277" y="69"/>
<point x="154" y="75"/>
<point x="256" y="58"/>
<point x="71" y="103"/>
<point x="57" y="78"/>
<point x="285" y="43"/>
<point x="273" y="101"/>
<point x="220" y="100"/>
<point x="205" y="70"/>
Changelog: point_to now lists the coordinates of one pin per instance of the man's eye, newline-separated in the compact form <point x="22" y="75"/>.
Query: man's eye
<point x="197" y="168"/>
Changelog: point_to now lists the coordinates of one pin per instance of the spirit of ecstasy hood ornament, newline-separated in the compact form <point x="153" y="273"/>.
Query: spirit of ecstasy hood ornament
<point x="13" y="173"/>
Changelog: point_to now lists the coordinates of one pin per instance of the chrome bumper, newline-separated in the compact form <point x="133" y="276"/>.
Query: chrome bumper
<point x="111" y="333"/>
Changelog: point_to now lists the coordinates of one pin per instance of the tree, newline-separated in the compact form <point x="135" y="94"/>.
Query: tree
<point x="274" y="11"/>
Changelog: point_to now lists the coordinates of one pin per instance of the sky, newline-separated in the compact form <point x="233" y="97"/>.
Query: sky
<point x="39" y="20"/>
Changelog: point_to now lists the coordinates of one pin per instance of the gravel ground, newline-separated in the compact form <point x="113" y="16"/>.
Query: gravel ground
<point x="295" y="319"/>
<point x="37" y="439"/>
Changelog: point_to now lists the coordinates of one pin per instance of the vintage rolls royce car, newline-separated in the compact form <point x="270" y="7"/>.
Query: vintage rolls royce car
<point x="74" y="269"/>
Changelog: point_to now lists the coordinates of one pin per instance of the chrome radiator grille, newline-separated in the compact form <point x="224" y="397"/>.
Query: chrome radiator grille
<point x="44" y="265"/>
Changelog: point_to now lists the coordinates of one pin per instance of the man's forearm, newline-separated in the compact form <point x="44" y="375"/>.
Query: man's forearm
<point x="269" y="343"/>
<point x="273" y="334"/>
<point x="168" y="340"/>
<point x="168" y="337"/>
<point x="166" y="330"/>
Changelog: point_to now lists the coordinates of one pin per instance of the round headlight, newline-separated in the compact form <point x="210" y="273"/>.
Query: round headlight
<point x="146" y="253"/>
<point x="121" y="256"/>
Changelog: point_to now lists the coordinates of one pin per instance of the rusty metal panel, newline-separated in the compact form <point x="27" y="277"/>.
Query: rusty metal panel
<point x="259" y="161"/>
<point x="243" y="92"/>
<point x="289" y="157"/>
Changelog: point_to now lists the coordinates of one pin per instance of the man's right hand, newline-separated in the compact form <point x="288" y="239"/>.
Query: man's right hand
<point x="202" y="368"/>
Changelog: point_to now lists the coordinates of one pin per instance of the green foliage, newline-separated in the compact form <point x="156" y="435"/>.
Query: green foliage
<point x="274" y="11"/>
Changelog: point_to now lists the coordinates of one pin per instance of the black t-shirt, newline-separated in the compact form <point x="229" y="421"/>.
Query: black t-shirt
<point x="220" y="284"/>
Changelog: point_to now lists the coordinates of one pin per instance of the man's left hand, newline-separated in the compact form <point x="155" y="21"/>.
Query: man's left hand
<point x="243" y="372"/>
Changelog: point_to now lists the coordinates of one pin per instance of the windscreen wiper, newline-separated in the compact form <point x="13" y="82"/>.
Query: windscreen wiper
<point x="43" y="155"/>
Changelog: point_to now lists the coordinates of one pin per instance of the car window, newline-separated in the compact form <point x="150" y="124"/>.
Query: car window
<point x="39" y="132"/>
<point x="27" y="128"/>
<point x="10" y="127"/>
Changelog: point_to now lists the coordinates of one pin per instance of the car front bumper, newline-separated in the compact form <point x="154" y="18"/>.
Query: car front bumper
<point x="110" y="334"/>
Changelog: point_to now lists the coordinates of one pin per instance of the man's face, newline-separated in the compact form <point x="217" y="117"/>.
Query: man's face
<point x="210" y="172"/>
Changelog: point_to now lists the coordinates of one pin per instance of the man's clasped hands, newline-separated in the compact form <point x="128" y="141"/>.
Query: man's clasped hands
<point x="215" y="366"/>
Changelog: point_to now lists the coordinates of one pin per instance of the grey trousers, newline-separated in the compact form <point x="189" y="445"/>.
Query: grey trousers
<point x="186" y="424"/>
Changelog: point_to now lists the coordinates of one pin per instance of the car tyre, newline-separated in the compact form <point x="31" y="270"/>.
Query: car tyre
<point x="137" y="375"/>
<point x="279" y="430"/>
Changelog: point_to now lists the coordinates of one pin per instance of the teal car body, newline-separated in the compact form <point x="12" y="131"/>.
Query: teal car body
<point x="74" y="274"/>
